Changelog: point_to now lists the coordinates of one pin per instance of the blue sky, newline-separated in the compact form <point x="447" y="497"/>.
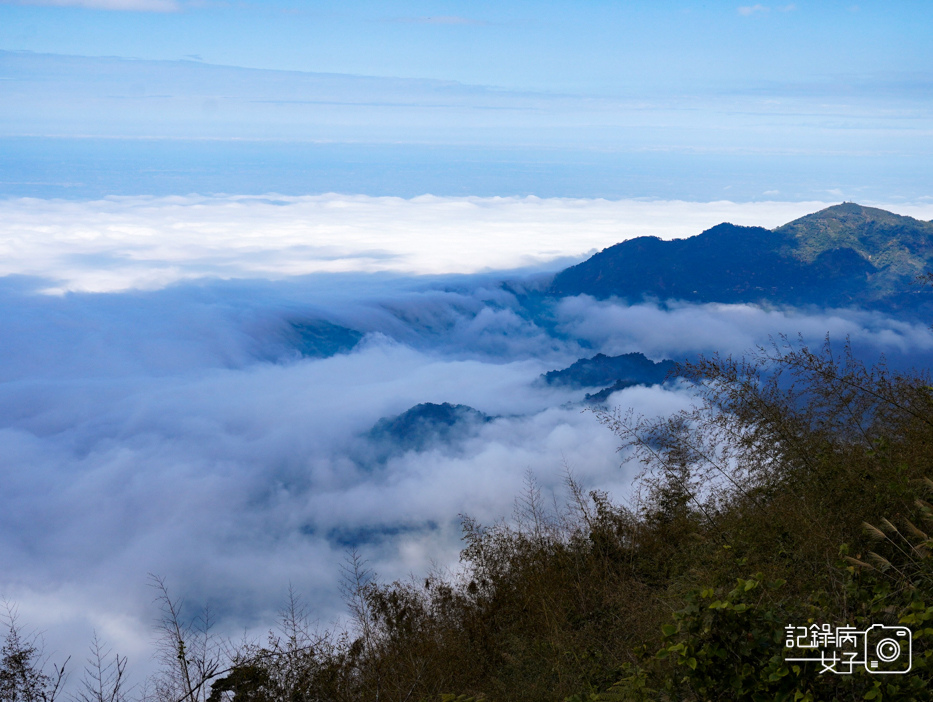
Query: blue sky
<point x="590" y="47"/>
<point x="686" y="100"/>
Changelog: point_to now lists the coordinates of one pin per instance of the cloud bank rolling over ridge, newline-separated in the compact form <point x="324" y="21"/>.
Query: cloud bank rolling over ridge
<point x="121" y="243"/>
<point x="157" y="417"/>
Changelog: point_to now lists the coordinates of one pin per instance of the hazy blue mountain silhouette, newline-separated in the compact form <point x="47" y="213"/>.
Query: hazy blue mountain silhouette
<point x="318" y="338"/>
<point x="602" y="370"/>
<point x="845" y="255"/>
<point x="424" y="426"/>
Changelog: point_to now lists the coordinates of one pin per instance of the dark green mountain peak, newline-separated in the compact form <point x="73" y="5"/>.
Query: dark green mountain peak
<point x="601" y="370"/>
<point x="318" y="338"/>
<point x="845" y="255"/>
<point x="425" y="425"/>
<point x="895" y="245"/>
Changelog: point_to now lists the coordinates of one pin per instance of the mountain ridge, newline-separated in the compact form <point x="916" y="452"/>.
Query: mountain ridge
<point x="424" y="426"/>
<point x="843" y="255"/>
<point x="602" y="370"/>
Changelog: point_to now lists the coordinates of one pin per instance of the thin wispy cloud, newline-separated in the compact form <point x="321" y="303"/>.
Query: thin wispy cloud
<point x="749" y="10"/>
<point x="440" y="19"/>
<point x="117" y="5"/>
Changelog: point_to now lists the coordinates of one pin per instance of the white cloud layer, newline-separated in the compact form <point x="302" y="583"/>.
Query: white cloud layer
<point x="681" y="330"/>
<point x="148" y="243"/>
<point x="235" y="482"/>
<point x="159" y="432"/>
<point x="172" y="429"/>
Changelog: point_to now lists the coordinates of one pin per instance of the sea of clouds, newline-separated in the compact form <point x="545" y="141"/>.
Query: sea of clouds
<point x="156" y="417"/>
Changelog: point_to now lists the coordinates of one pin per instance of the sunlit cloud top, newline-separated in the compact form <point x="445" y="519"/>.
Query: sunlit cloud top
<point x="122" y="243"/>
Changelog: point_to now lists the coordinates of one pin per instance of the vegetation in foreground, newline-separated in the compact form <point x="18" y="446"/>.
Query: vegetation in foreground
<point x="793" y="494"/>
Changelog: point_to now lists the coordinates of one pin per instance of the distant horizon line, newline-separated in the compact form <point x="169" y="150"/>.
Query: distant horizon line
<point x="926" y="200"/>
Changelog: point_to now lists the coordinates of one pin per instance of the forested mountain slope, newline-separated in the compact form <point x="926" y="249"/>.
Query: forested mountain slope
<point x="845" y="255"/>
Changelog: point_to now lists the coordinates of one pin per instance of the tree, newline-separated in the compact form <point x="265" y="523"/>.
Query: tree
<point x="189" y="653"/>
<point x="103" y="679"/>
<point x="22" y="671"/>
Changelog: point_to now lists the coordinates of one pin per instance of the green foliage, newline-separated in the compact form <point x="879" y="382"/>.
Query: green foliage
<point x="245" y="683"/>
<point x="897" y="245"/>
<point x="728" y="644"/>
<point x="785" y="457"/>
